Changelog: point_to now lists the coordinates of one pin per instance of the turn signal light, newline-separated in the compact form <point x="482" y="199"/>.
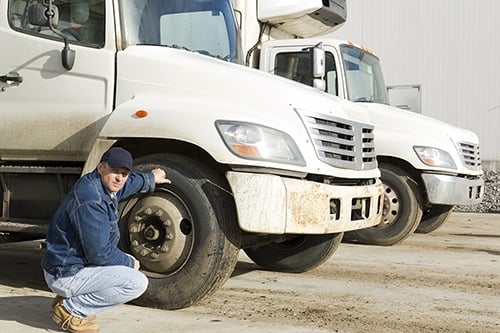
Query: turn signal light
<point x="141" y="113"/>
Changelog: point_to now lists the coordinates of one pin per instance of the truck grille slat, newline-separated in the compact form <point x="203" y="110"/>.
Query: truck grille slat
<point x="470" y="155"/>
<point x="340" y="142"/>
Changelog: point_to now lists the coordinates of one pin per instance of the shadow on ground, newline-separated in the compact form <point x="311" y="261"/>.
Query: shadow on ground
<point x="20" y="264"/>
<point x="32" y="311"/>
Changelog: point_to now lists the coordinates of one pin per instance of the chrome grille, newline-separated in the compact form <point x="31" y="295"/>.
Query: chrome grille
<point x="340" y="142"/>
<point x="469" y="154"/>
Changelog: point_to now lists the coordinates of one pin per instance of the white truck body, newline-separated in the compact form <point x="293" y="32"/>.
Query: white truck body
<point x="453" y="176"/>
<point x="247" y="170"/>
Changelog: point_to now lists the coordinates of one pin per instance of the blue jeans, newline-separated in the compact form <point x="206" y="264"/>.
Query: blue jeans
<point x="95" y="289"/>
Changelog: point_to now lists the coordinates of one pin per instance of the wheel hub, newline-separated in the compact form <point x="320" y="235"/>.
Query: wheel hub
<point x="160" y="233"/>
<point x="391" y="207"/>
<point x="151" y="233"/>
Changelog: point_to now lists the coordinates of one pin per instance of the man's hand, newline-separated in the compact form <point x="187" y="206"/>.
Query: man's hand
<point x="160" y="176"/>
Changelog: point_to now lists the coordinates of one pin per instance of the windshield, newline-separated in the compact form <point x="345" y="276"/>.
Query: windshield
<point x="204" y="26"/>
<point x="365" y="82"/>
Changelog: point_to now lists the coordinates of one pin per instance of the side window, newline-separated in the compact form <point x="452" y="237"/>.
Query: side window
<point x="81" y="21"/>
<point x="295" y="66"/>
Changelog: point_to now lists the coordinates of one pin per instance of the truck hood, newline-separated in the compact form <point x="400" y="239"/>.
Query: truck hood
<point x="397" y="131"/>
<point x="417" y="124"/>
<point x="186" y="93"/>
<point x="163" y="66"/>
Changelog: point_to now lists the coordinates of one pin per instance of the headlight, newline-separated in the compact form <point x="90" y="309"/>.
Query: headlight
<point x="258" y="142"/>
<point x="435" y="157"/>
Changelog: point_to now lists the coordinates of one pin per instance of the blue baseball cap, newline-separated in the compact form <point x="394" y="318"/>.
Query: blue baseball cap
<point x="117" y="157"/>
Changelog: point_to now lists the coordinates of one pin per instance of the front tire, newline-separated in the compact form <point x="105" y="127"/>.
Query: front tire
<point x="402" y="210"/>
<point x="433" y="218"/>
<point x="184" y="234"/>
<point x="297" y="254"/>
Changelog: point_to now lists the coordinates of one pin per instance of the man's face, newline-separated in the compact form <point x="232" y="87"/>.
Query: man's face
<point x="112" y="179"/>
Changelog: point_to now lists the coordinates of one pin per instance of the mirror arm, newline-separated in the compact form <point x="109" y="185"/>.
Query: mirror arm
<point x="67" y="54"/>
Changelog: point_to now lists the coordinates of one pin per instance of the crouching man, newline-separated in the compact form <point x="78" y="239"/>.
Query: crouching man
<point x="83" y="264"/>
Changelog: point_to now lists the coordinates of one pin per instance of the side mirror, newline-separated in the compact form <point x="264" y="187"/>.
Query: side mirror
<point x="39" y="15"/>
<point x="318" y="61"/>
<point x="48" y="16"/>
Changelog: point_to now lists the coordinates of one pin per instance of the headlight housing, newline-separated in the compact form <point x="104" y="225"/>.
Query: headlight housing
<point x="257" y="142"/>
<point x="435" y="157"/>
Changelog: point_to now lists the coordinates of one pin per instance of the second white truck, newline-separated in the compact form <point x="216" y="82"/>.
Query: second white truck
<point x="427" y="166"/>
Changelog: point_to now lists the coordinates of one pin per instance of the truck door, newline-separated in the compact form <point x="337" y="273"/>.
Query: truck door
<point x="294" y="62"/>
<point x="47" y="112"/>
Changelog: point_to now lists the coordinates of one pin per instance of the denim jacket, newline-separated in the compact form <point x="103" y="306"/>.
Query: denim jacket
<point x="84" y="230"/>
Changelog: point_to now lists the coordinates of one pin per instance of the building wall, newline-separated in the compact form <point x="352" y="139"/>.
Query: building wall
<point x="451" y="48"/>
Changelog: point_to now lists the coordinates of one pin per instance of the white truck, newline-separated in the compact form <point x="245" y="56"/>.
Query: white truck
<point x="281" y="177"/>
<point x="427" y="166"/>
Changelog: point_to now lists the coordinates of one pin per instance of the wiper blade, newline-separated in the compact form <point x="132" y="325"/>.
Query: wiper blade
<point x="216" y="56"/>
<point x="173" y="46"/>
<point x="365" y="99"/>
<point x="179" y="47"/>
<point x="182" y="47"/>
<point x="362" y="99"/>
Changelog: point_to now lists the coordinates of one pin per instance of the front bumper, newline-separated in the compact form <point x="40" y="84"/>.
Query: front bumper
<point x="452" y="190"/>
<point x="277" y="205"/>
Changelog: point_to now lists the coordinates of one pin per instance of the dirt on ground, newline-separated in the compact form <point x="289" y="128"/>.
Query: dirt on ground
<point x="445" y="281"/>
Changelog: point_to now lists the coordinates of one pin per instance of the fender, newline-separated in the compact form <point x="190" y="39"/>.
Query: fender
<point x="397" y="131"/>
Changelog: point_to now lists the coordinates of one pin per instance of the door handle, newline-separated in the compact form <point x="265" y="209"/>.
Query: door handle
<point x="11" y="79"/>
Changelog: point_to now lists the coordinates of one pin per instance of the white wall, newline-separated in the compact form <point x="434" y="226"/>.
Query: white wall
<point x="451" y="48"/>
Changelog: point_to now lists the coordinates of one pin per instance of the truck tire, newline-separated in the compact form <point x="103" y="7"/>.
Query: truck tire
<point x="297" y="254"/>
<point x="402" y="210"/>
<point x="185" y="234"/>
<point x="434" y="218"/>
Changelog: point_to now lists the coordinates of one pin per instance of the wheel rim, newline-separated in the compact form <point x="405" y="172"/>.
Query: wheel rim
<point x="391" y="207"/>
<point x="161" y="233"/>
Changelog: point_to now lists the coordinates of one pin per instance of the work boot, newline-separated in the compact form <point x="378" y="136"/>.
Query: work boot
<point x="72" y="324"/>
<point x="59" y="300"/>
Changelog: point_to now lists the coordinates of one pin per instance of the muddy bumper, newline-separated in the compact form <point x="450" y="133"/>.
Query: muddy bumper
<point x="277" y="205"/>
